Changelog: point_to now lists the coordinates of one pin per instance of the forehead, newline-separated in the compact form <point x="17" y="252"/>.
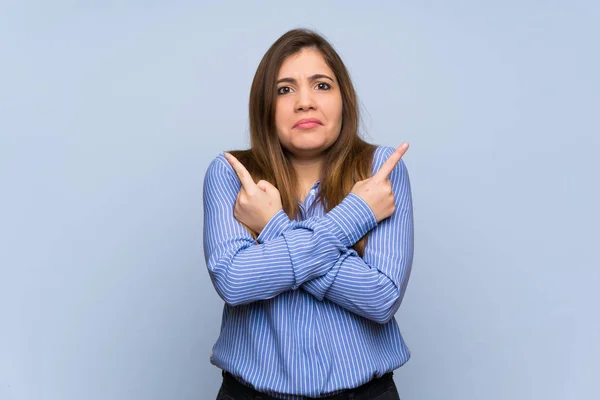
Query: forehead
<point x="306" y="62"/>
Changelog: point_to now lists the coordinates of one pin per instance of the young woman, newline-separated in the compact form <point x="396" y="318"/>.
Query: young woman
<point x="308" y="238"/>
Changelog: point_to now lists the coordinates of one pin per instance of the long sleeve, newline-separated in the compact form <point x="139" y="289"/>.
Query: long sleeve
<point x="244" y="270"/>
<point x="373" y="286"/>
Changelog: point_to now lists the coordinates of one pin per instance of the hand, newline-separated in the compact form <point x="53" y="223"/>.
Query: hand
<point x="256" y="203"/>
<point x="376" y="191"/>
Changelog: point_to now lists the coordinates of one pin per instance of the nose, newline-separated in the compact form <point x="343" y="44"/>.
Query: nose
<point x="304" y="100"/>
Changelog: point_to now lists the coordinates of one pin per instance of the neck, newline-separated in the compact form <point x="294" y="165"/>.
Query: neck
<point x="307" y="172"/>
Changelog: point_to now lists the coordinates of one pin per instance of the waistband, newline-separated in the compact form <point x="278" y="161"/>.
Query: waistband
<point x="372" y="388"/>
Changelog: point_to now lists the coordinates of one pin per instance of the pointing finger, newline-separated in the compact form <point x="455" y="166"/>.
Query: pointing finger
<point x="242" y="173"/>
<point x="389" y="164"/>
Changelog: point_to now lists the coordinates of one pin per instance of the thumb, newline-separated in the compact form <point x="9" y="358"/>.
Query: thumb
<point x="265" y="186"/>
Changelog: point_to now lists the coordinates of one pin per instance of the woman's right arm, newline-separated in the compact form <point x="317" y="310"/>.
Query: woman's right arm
<point x="244" y="271"/>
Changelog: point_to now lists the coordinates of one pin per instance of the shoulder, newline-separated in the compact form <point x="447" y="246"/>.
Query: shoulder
<point x="219" y="170"/>
<point x="218" y="165"/>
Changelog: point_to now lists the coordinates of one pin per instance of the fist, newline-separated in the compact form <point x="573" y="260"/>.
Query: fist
<point x="256" y="203"/>
<point x="377" y="191"/>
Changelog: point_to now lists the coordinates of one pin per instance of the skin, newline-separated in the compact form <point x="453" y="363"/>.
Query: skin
<point x="307" y="88"/>
<point x="258" y="202"/>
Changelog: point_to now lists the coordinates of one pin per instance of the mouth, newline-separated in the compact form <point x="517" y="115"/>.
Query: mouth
<point x="307" y="123"/>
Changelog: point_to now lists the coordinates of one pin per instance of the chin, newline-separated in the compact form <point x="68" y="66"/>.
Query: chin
<point x="310" y="149"/>
<point x="309" y="142"/>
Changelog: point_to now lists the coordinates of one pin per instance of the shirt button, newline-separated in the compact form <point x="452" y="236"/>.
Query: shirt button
<point x="312" y="192"/>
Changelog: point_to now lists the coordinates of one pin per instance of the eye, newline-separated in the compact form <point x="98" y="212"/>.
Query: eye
<point x="323" y="86"/>
<point x="284" y="90"/>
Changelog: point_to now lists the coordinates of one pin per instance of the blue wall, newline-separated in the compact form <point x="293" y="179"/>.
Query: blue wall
<point x="111" y="111"/>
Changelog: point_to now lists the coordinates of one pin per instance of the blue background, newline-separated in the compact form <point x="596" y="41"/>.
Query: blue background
<point x="110" y="112"/>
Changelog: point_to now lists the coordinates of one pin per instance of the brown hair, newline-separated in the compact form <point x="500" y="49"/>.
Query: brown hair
<point x="346" y="162"/>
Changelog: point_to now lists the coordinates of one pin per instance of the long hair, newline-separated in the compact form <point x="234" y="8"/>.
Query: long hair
<point x="346" y="162"/>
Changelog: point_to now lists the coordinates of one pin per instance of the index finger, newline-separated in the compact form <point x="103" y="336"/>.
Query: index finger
<point x="241" y="171"/>
<point x="389" y="164"/>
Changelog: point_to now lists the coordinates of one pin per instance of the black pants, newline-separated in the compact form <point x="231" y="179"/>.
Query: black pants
<point x="377" y="389"/>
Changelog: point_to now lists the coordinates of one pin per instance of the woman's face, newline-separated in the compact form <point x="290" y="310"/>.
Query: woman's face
<point x="308" y="111"/>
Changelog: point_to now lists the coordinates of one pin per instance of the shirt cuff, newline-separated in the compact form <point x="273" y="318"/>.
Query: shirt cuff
<point x="351" y="219"/>
<point x="275" y="227"/>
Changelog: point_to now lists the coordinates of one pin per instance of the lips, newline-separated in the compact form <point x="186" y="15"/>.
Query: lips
<point x="307" y="123"/>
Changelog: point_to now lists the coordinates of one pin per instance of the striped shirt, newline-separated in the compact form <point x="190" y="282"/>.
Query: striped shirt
<point x="304" y="314"/>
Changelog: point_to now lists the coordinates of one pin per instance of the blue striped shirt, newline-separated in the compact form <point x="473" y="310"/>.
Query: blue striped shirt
<point x="304" y="314"/>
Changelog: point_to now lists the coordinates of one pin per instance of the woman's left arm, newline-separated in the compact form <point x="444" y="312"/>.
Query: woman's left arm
<point x="373" y="286"/>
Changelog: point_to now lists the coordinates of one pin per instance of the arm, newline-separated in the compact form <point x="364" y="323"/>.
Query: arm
<point x="242" y="270"/>
<point x="373" y="286"/>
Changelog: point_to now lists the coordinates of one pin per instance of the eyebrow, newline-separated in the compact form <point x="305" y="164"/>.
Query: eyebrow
<point x="310" y="78"/>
